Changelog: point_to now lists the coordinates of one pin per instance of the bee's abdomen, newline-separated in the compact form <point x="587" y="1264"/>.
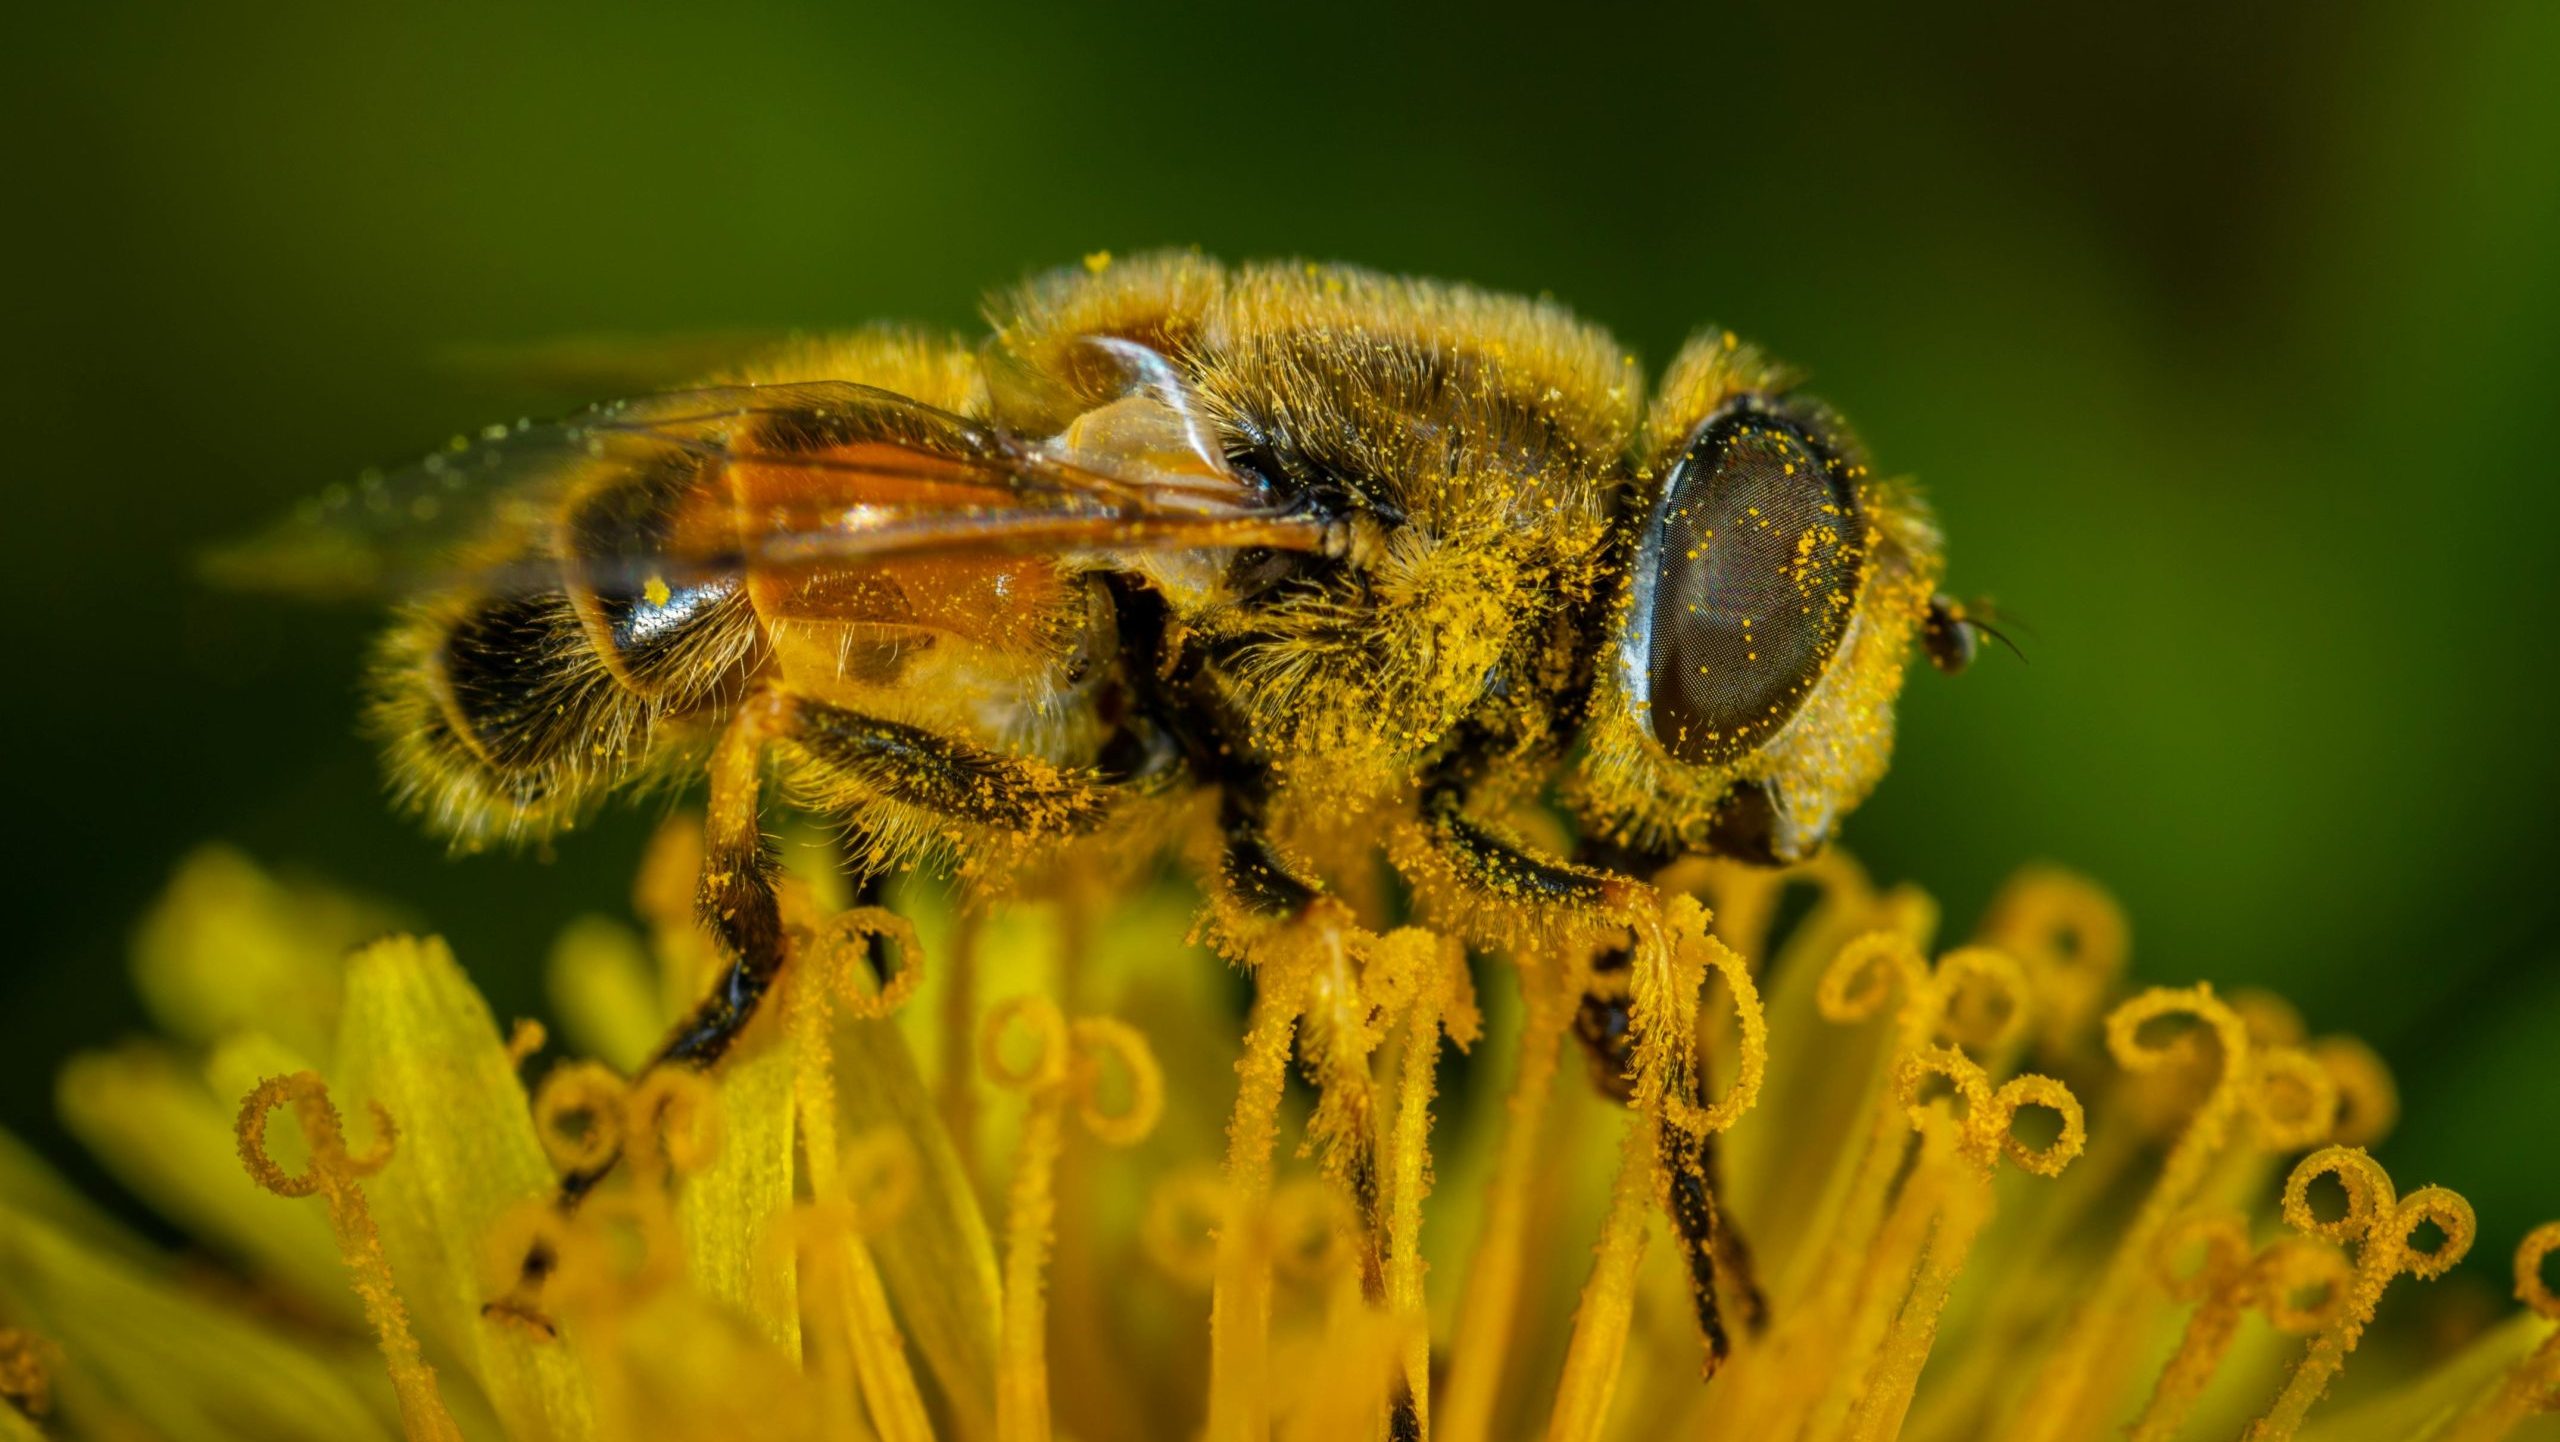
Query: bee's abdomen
<point x="644" y="558"/>
<point x="520" y="685"/>
<point x="502" y="718"/>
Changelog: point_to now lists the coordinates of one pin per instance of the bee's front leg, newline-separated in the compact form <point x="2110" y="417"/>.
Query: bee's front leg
<point x="1500" y="887"/>
<point x="734" y="900"/>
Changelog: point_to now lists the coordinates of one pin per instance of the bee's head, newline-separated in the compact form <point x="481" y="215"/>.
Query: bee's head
<point x="1771" y="587"/>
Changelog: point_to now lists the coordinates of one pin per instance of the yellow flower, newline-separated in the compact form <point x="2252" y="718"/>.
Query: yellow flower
<point x="1044" y="1180"/>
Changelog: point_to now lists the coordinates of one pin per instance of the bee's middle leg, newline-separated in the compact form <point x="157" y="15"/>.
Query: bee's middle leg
<point x="857" y="760"/>
<point x="854" y="762"/>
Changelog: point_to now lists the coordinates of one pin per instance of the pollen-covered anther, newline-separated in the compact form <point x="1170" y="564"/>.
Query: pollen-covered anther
<point x="1311" y="1230"/>
<point x="2368" y="1099"/>
<point x="1104" y="1045"/>
<point x="27" y="1367"/>
<point x="525" y="1038"/>
<point x="1178" y="1230"/>
<point x="846" y="940"/>
<point x="334" y="1175"/>
<point x="1862" y="976"/>
<point x="671" y="1120"/>
<point x="1981" y="997"/>
<point x="2384" y="1228"/>
<point x="620" y="1250"/>
<point x="333" y="1168"/>
<point x="2071" y="938"/>
<point x="578" y="1113"/>
<point x="1986" y="1116"/>
<point x="1046" y="1066"/>
<point x="1665" y="1017"/>
<point x="879" y="1172"/>
<point x="2292" y="1099"/>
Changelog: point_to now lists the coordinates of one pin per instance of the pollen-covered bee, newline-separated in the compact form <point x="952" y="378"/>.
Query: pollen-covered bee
<point x="1297" y="566"/>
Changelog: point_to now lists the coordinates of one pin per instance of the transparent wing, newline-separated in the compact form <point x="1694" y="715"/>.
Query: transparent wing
<point x="809" y="474"/>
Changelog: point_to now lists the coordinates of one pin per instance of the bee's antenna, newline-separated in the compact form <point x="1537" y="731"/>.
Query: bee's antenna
<point x="1996" y="634"/>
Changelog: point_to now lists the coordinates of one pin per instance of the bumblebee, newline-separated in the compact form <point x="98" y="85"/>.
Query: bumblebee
<point x="1307" y="566"/>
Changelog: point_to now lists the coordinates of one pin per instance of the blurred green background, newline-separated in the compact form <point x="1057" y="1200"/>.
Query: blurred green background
<point x="2224" y="340"/>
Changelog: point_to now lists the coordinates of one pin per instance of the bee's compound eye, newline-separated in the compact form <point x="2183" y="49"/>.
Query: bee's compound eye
<point x="1759" y="549"/>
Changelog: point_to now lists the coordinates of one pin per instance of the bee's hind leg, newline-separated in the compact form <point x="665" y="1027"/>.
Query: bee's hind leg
<point x="864" y="759"/>
<point x="737" y="901"/>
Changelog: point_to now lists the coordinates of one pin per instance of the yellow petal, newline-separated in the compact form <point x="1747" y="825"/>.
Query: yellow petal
<point x="169" y="1138"/>
<point x="418" y="1039"/>
<point x="605" y="990"/>
<point x="31" y="1188"/>
<point x="679" y="1370"/>
<point x="229" y="947"/>
<point x="727" y="1211"/>
<point x="935" y="1257"/>
<point x="144" y="1358"/>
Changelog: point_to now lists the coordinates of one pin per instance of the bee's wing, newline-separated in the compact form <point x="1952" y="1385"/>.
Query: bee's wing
<point x="605" y="363"/>
<point x="825" y="473"/>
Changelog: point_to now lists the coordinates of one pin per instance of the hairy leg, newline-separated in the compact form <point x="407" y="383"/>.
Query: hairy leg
<point x="1504" y="887"/>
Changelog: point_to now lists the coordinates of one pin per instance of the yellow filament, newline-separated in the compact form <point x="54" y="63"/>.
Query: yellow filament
<point x="333" y="1176"/>
<point x="2533" y="1383"/>
<point x="1022" y="1358"/>
<point x="1240" y="1305"/>
<point x="1486" y="1318"/>
<point x="956" y="1087"/>
<point x="2217" y="1287"/>
<point x="1443" y="968"/>
<point x="1050" y="1079"/>
<point x="845" y="1286"/>
<point x="2381" y="1226"/>
<point x="1335" y="1040"/>
<point x="525" y="1038"/>
<point x="1599" y="1346"/>
<point x="815" y="1234"/>
<point x="2062" y="1390"/>
<point x="1985" y="1119"/>
<point x="1344" y="1387"/>
<point x="2229" y="1280"/>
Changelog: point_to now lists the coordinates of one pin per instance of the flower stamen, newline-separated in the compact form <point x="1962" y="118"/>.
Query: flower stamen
<point x="333" y="1175"/>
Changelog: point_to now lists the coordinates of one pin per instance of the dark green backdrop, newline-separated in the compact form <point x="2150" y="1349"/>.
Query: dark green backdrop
<point x="2225" y="344"/>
